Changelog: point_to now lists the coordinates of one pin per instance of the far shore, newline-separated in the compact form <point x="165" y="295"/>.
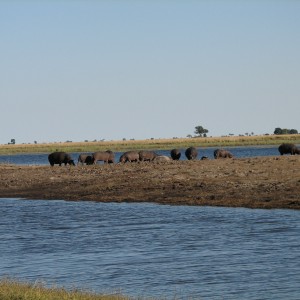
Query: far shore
<point x="150" y="144"/>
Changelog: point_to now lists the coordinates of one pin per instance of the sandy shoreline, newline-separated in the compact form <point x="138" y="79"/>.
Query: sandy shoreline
<point x="260" y="182"/>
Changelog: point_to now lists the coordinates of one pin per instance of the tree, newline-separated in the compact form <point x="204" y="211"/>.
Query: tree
<point x="278" y="130"/>
<point x="199" y="130"/>
<point x="293" y="131"/>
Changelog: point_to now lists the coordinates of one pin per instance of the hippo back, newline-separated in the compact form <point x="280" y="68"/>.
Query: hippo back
<point x="221" y="153"/>
<point x="191" y="153"/>
<point x="106" y="156"/>
<point x="60" y="158"/>
<point x="129" y="156"/>
<point x="287" y="148"/>
<point x="161" y="158"/>
<point x="175" y="154"/>
<point x="147" y="155"/>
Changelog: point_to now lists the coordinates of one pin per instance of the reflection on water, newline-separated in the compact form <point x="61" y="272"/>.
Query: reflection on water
<point x="153" y="250"/>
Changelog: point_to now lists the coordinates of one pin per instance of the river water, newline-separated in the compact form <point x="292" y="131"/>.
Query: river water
<point x="180" y="252"/>
<point x="42" y="159"/>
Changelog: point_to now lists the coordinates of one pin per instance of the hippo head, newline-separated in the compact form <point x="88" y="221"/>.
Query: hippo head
<point x="89" y="160"/>
<point x="297" y="151"/>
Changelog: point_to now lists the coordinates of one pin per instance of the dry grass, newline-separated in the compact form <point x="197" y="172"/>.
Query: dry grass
<point x="157" y="144"/>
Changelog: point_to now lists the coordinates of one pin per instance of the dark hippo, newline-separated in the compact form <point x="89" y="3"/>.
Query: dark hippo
<point x="221" y="153"/>
<point x="287" y="148"/>
<point x="147" y="155"/>
<point x="106" y="156"/>
<point x="175" y="154"/>
<point x="85" y="159"/>
<point x="130" y="156"/>
<point x="60" y="158"/>
<point x="191" y="153"/>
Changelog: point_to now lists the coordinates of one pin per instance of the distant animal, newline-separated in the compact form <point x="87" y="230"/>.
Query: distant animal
<point x="147" y="155"/>
<point x="105" y="156"/>
<point x="191" y="153"/>
<point x="85" y="159"/>
<point x="175" y="154"/>
<point x="129" y="156"/>
<point x="60" y="158"/>
<point x="161" y="158"/>
<point x="221" y="153"/>
<point x="287" y="148"/>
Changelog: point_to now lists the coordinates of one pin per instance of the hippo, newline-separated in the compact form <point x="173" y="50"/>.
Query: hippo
<point x="85" y="159"/>
<point x="191" y="153"/>
<point x="287" y="148"/>
<point x="130" y="156"/>
<point x="221" y="153"/>
<point x="175" y="154"/>
<point x="161" y="158"/>
<point x="60" y="158"/>
<point x="106" y="156"/>
<point x="147" y="155"/>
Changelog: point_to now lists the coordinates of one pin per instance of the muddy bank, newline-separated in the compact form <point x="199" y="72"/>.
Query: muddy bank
<point x="261" y="182"/>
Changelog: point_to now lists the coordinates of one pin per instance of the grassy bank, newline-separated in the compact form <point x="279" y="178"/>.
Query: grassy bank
<point x="14" y="290"/>
<point x="157" y="144"/>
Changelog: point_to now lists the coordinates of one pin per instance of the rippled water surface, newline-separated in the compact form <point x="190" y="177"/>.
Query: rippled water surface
<point x="153" y="250"/>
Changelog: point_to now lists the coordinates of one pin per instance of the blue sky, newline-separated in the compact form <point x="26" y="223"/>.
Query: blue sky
<point x="86" y="70"/>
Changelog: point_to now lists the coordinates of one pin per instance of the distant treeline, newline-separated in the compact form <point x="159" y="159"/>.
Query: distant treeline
<point x="278" y="130"/>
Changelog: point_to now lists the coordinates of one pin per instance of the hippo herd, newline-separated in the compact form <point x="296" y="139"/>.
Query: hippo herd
<point x="108" y="156"/>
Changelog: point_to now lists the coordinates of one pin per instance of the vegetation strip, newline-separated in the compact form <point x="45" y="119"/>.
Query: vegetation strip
<point x="15" y="290"/>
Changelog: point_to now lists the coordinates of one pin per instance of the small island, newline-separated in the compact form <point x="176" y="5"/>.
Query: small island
<point x="259" y="182"/>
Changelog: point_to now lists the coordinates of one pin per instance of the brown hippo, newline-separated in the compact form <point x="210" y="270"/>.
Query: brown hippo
<point x="106" y="156"/>
<point x="60" y="158"/>
<point x="175" y="154"/>
<point x="147" y="155"/>
<point x="287" y="148"/>
<point x="85" y="159"/>
<point x="191" y="153"/>
<point x="221" y="153"/>
<point x="129" y="156"/>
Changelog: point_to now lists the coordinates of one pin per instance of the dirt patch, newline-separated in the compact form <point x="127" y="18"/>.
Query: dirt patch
<point x="260" y="182"/>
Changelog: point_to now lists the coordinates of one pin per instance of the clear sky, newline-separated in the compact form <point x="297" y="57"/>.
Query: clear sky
<point x="92" y="70"/>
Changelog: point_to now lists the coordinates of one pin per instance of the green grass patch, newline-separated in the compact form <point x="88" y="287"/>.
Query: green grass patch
<point x="14" y="290"/>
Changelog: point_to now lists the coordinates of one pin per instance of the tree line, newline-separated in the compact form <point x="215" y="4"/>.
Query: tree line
<point x="202" y="132"/>
<point x="278" y="130"/>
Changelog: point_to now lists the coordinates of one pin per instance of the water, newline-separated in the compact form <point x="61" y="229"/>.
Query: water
<point x="153" y="250"/>
<point x="42" y="159"/>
